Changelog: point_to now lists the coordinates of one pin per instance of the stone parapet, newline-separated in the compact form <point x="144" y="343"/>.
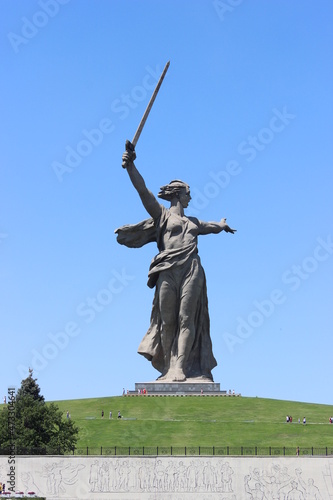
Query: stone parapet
<point x="180" y="388"/>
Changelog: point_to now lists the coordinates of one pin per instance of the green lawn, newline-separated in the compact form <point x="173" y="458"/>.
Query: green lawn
<point x="199" y="421"/>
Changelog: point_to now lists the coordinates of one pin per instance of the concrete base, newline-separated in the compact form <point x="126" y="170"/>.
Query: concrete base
<point x="190" y="387"/>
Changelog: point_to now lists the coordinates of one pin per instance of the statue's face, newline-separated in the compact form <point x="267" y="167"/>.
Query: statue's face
<point x="184" y="197"/>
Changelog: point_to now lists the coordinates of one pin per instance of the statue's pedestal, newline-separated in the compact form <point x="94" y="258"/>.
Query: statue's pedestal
<point x="187" y="388"/>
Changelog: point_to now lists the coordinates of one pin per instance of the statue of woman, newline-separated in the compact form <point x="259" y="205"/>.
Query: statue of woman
<point x="178" y="340"/>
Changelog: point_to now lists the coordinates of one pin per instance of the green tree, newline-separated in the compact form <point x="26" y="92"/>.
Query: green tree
<point x="37" y="424"/>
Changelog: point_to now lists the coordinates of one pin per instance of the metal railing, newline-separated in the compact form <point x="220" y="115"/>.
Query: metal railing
<point x="192" y="451"/>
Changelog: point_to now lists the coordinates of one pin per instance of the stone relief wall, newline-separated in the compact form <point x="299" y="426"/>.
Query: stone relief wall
<point x="173" y="478"/>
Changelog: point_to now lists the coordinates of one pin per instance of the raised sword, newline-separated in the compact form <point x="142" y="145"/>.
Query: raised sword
<point x="131" y="145"/>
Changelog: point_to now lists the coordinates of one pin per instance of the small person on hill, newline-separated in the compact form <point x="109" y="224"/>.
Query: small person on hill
<point x="119" y="414"/>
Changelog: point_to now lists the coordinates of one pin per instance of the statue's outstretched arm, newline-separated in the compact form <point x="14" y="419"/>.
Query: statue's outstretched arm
<point x="215" y="227"/>
<point x="148" y="199"/>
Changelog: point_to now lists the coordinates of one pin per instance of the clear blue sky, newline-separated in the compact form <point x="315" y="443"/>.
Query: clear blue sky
<point x="244" y="116"/>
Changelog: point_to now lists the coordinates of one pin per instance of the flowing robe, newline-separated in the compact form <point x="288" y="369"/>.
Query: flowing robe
<point x="179" y="264"/>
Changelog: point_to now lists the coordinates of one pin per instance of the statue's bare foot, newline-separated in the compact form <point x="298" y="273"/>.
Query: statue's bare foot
<point x="178" y="375"/>
<point x="173" y="375"/>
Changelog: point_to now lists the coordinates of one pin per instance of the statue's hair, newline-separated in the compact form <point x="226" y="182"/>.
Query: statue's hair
<point x="172" y="189"/>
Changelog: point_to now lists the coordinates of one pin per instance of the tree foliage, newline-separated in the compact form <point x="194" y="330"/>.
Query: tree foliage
<point x="37" y="424"/>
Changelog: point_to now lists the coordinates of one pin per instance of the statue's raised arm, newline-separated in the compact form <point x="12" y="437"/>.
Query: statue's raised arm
<point x="148" y="199"/>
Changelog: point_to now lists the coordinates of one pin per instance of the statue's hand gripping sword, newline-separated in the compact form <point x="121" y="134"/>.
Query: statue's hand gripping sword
<point x="131" y="145"/>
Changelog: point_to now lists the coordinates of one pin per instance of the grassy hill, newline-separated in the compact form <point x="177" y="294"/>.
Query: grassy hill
<point x="199" y="421"/>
